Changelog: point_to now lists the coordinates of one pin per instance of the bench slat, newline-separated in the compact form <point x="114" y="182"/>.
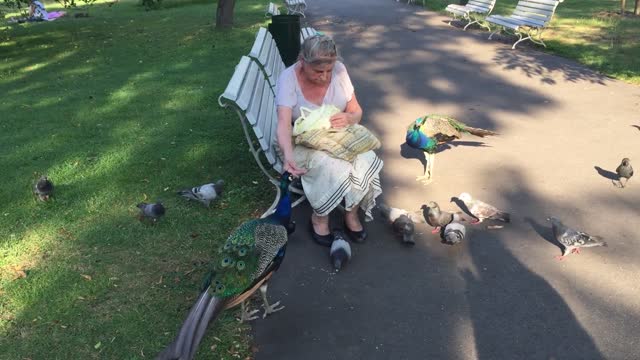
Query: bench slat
<point x="233" y="87"/>
<point x="537" y="13"/>
<point x="529" y="20"/>
<point x="245" y="95"/>
<point x="485" y="3"/>
<point x="529" y="4"/>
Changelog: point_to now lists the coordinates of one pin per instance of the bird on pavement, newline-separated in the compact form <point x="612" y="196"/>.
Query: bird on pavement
<point x="481" y="210"/>
<point x="572" y="240"/>
<point x="625" y="171"/>
<point x="427" y="132"/>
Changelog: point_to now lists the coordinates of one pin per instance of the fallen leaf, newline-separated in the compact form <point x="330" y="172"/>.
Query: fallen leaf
<point x="144" y="197"/>
<point x="194" y="235"/>
<point x="20" y="274"/>
<point x="87" y="277"/>
<point x="97" y="346"/>
<point x="80" y="298"/>
<point x="167" y="188"/>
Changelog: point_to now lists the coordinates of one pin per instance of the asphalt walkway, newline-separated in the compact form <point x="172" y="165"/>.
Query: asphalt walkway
<point x="500" y="294"/>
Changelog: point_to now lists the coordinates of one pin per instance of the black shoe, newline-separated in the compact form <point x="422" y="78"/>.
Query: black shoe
<point x="324" y="240"/>
<point x="356" y="236"/>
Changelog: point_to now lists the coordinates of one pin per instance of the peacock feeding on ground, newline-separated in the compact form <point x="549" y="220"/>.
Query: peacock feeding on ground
<point x="249" y="257"/>
<point x="427" y="132"/>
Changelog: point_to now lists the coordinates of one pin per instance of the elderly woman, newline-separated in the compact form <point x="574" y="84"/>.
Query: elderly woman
<point x="318" y="78"/>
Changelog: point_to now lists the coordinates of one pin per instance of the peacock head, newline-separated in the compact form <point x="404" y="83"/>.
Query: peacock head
<point x="283" y="209"/>
<point x="285" y="181"/>
<point x="419" y="122"/>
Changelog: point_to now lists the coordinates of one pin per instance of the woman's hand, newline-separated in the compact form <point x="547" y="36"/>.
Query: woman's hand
<point x="341" y="120"/>
<point x="293" y="169"/>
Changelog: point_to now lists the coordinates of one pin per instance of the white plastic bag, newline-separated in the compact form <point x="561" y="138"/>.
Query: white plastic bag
<point x="314" y="119"/>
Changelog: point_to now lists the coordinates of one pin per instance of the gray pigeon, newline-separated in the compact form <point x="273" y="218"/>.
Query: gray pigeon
<point x="481" y="210"/>
<point x="572" y="240"/>
<point x="438" y="218"/>
<point x="204" y="193"/>
<point x="624" y="170"/>
<point x="43" y="188"/>
<point x="152" y="211"/>
<point x="454" y="233"/>
<point x="401" y="222"/>
<point x="340" y="252"/>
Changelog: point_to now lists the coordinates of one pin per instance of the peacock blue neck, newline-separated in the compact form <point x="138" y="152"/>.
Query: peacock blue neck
<point x="283" y="208"/>
<point x="419" y="140"/>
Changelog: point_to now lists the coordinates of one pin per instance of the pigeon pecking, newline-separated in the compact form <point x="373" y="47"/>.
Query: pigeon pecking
<point x="152" y="211"/>
<point x="481" y="210"/>
<point x="43" y="188"/>
<point x="204" y="193"/>
<point x="572" y="240"/>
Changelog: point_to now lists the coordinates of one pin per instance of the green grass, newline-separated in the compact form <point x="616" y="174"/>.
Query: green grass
<point x="118" y="108"/>
<point x="590" y="32"/>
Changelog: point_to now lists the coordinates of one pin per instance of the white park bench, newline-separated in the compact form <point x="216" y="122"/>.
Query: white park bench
<point x="296" y="7"/>
<point x="530" y="18"/>
<point x="251" y="96"/>
<point x="473" y="11"/>
<point x="306" y="32"/>
<point x="265" y="52"/>
<point x="272" y="10"/>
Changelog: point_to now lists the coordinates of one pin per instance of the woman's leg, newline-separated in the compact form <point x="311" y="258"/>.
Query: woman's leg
<point x="352" y="220"/>
<point x="320" y="224"/>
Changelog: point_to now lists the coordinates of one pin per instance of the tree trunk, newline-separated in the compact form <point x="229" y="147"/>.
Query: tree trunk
<point x="224" y="14"/>
<point x="636" y="9"/>
<point x="623" y="4"/>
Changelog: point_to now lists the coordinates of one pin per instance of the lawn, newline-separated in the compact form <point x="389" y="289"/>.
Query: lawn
<point x="590" y="32"/>
<point x="118" y="108"/>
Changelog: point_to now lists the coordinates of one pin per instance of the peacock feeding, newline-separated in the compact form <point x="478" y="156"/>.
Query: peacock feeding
<point x="249" y="257"/>
<point x="427" y="132"/>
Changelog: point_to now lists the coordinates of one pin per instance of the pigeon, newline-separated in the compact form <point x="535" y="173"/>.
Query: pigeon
<point x="481" y="210"/>
<point x="624" y="170"/>
<point x="43" y="188"/>
<point x="401" y="222"/>
<point x="572" y="240"/>
<point x="204" y="193"/>
<point x="153" y="211"/>
<point x="438" y="218"/>
<point x="454" y="233"/>
<point x="340" y="252"/>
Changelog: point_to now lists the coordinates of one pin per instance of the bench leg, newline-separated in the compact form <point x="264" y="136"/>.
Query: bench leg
<point x="469" y="24"/>
<point x="493" y="33"/>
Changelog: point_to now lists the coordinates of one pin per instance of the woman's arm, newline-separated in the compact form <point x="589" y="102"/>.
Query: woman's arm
<point x="352" y="114"/>
<point x="283" y="134"/>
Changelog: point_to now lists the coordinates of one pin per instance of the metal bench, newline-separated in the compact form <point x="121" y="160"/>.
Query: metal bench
<point x="251" y="96"/>
<point x="473" y="12"/>
<point x="530" y="18"/>
<point x="296" y="7"/>
<point x="272" y="10"/>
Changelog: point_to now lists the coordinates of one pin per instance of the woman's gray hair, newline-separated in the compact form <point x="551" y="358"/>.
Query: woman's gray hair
<point x="318" y="49"/>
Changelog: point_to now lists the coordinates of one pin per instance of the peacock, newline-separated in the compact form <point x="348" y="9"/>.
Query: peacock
<point x="249" y="257"/>
<point x="427" y="132"/>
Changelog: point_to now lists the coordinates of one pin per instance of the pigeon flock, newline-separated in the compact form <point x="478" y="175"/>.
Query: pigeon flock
<point x="426" y="134"/>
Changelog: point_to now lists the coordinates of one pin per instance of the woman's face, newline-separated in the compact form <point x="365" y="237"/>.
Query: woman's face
<point x="319" y="74"/>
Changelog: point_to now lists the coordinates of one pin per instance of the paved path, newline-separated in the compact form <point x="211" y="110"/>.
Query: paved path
<point x="499" y="295"/>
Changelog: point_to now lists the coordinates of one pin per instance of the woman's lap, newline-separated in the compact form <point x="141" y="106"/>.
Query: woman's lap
<point x="329" y="180"/>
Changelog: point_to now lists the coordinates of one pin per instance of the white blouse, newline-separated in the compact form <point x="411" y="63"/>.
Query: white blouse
<point x="289" y="93"/>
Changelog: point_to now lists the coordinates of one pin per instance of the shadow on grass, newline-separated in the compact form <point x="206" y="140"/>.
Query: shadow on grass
<point x="116" y="111"/>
